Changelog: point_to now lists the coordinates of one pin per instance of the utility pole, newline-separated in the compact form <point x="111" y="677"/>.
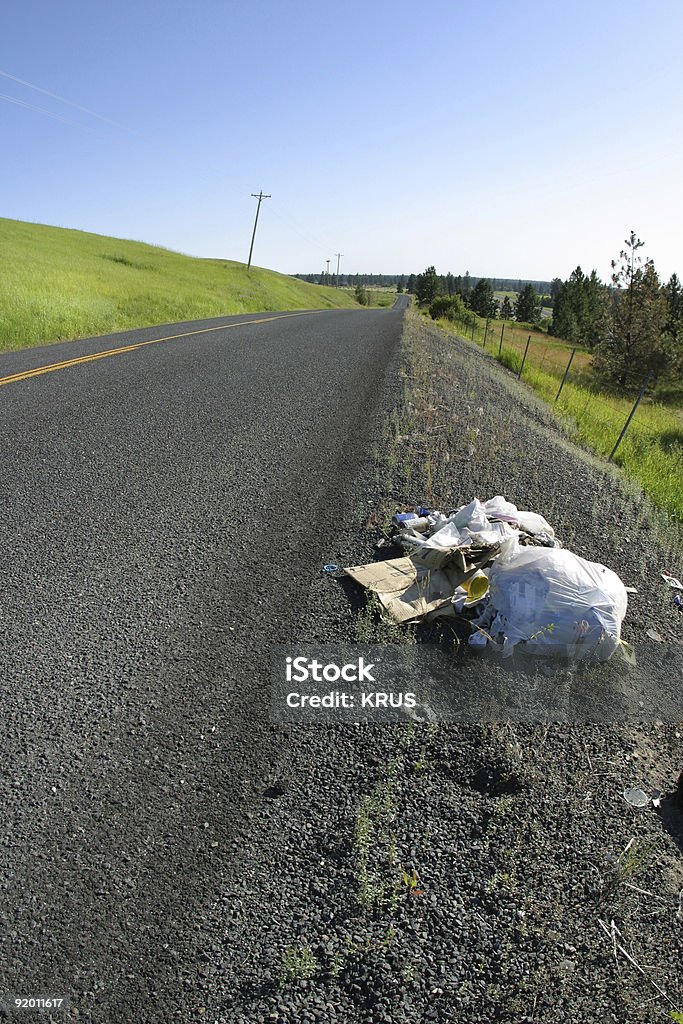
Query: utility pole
<point x="260" y="198"/>
<point x="327" y="282"/>
<point x="339" y="256"/>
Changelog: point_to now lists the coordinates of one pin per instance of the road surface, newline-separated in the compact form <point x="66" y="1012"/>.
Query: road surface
<point x="166" y="497"/>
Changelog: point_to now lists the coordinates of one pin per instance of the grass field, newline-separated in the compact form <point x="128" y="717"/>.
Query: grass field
<point x="58" y="284"/>
<point x="652" y="449"/>
<point x="379" y="297"/>
<point x="382" y="297"/>
<point x="546" y="311"/>
<point x="545" y="352"/>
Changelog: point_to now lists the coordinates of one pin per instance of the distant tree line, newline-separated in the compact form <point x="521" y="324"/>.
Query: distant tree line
<point x="634" y="324"/>
<point x="449" y="296"/>
<point x="353" y="280"/>
<point x="450" y="284"/>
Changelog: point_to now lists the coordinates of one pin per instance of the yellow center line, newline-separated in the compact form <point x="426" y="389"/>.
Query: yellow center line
<point x="50" y="367"/>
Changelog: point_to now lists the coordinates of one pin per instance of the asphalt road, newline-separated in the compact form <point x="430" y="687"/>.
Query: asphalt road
<point x="164" y="508"/>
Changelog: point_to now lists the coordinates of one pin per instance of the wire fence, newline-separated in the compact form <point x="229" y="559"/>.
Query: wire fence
<point x="643" y="436"/>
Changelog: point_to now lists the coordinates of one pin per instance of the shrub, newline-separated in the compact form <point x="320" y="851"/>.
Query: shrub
<point x="449" y="306"/>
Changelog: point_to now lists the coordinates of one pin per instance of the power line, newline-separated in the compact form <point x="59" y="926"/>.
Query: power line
<point x="116" y="124"/>
<point x="260" y="196"/>
<point x="280" y="215"/>
<point x="41" y="110"/>
<point x="63" y="99"/>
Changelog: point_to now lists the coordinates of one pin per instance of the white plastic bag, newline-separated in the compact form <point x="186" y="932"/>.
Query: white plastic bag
<point x="473" y="524"/>
<point x="534" y="523"/>
<point x="472" y="516"/>
<point x="555" y="602"/>
<point x="500" y="508"/>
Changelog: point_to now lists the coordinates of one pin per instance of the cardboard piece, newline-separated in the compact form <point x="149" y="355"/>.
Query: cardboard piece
<point x="405" y="589"/>
<point x="409" y="590"/>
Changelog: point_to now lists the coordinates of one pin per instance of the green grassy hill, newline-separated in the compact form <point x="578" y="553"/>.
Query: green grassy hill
<point x="58" y="284"/>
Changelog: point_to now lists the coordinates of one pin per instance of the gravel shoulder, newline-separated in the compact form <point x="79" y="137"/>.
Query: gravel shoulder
<point x="515" y="833"/>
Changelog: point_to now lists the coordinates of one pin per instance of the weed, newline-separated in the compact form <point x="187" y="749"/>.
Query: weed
<point x="543" y="631"/>
<point x="375" y="842"/>
<point x="373" y="890"/>
<point x="632" y="860"/>
<point x="336" y="965"/>
<point x="502" y="881"/>
<point x="503" y="807"/>
<point x="410" y="882"/>
<point x="298" y="962"/>
<point x="373" y="628"/>
<point x="354" y="948"/>
<point x="365" y="621"/>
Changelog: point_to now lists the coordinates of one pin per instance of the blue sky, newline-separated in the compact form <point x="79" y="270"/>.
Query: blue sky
<point x="510" y="139"/>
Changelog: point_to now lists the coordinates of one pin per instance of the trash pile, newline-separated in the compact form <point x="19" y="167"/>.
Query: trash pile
<point x="504" y="572"/>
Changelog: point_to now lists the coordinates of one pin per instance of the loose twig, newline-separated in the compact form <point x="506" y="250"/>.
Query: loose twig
<point x="612" y="933"/>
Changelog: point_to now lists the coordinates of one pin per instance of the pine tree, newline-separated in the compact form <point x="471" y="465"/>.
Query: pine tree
<point x="482" y="299"/>
<point x="528" y="305"/>
<point x="634" y="341"/>
<point x="578" y="309"/>
<point x="506" y="309"/>
<point x="427" y="286"/>
<point x="674" y="310"/>
<point x="555" y="287"/>
<point x="673" y="327"/>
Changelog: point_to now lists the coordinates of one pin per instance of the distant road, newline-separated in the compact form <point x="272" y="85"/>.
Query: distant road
<point x="166" y="497"/>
